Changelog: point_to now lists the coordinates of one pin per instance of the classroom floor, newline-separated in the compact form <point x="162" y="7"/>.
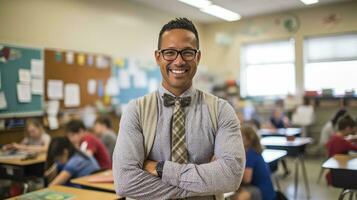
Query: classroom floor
<point x="318" y="191"/>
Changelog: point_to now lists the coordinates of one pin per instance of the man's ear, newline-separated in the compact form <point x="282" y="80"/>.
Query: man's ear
<point x="198" y="57"/>
<point x="157" y="57"/>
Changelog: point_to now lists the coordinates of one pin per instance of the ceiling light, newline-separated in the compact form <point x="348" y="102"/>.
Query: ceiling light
<point x="197" y="3"/>
<point x="308" y="2"/>
<point x="221" y="12"/>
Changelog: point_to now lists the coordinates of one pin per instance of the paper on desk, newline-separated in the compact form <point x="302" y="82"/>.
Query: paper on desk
<point x="53" y="122"/>
<point x="140" y="80"/>
<point x="23" y="93"/>
<point x="37" y="86"/>
<point x="69" y="58"/>
<point x="52" y="107"/>
<point x="24" y="76"/>
<point x="124" y="79"/>
<point x="72" y="95"/>
<point x="37" y="68"/>
<point x="3" y="103"/>
<point x="91" y="86"/>
<point x="55" y="89"/>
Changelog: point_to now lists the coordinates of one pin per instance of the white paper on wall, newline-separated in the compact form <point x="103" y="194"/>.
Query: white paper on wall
<point x="55" y="89"/>
<point x="23" y="92"/>
<point x="37" y="69"/>
<point x="72" y="95"/>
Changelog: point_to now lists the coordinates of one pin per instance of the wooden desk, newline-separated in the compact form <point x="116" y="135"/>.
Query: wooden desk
<point x="281" y="132"/>
<point x="18" y="160"/>
<point x="295" y="149"/>
<point x="343" y="170"/>
<point x="17" y="169"/>
<point x="84" y="181"/>
<point x="79" y="194"/>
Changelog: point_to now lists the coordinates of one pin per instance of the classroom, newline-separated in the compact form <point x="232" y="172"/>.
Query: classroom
<point x="178" y="99"/>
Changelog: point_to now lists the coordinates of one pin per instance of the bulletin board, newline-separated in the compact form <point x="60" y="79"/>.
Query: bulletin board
<point x="141" y="77"/>
<point x="77" y="68"/>
<point x="18" y="58"/>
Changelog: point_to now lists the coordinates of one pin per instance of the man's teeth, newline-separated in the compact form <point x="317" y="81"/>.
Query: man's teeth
<point x="178" y="71"/>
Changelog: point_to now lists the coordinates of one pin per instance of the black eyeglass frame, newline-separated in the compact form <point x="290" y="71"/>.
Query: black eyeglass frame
<point x="162" y="51"/>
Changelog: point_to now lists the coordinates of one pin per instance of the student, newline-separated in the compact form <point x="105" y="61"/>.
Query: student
<point x="104" y="130"/>
<point x="331" y="126"/>
<point x="337" y="143"/>
<point x="257" y="172"/>
<point x="36" y="139"/>
<point x="88" y="143"/>
<point x="74" y="163"/>
<point x="278" y="119"/>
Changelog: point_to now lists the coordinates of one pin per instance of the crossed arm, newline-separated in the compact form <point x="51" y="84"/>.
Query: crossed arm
<point x="136" y="177"/>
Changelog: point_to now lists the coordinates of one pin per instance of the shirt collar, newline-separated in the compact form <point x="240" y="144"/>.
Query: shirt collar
<point x="188" y="93"/>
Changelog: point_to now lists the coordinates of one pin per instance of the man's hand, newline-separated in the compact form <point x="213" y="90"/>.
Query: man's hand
<point x="150" y="166"/>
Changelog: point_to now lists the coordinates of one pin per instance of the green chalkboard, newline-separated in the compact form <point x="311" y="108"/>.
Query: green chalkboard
<point x="18" y="58"/>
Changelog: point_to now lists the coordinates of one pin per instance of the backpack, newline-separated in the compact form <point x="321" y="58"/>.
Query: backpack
<point x="148" y="112"/>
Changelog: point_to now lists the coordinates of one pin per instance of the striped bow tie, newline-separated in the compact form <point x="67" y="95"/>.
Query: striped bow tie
<point x="170" y="100"/>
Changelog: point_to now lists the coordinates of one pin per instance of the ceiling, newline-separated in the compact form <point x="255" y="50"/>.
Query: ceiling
<point x="246" y="8"/>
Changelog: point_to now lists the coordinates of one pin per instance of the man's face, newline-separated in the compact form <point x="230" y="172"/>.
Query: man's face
<point x="177" y="74"/>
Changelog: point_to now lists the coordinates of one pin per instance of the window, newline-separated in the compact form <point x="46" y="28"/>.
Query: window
<point x="268" y="69"/>
<point x="331" y="63"/>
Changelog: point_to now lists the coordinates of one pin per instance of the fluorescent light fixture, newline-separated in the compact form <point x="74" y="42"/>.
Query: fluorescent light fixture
<point x="220" y="12"/>
<point x="308" y="2"/>
<point x="197" y="3"/>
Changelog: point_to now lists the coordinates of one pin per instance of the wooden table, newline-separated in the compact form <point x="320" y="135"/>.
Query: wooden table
<point x="281" y="132"/>
<point x="79" y="194"/>
<point x="18" y="168"/>
<point x="85" y="181"/>
<point x="295" y="149"/>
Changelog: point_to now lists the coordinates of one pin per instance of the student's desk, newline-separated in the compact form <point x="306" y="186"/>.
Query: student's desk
<point x="343" y="171"/>
<point x="281" y="132"/>
<point x="79" y="194"/>
<point x="85" y="181"/>
<point x="295" y="149"/>
<point x="272" y="156"/>
<point x="18" y="169"/>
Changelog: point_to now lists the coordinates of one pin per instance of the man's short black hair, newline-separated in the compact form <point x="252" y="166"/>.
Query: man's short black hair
<point x="105" y="120"/>
<point x="74" y="126"/>
<point x="179" y="23"/>
<point x="346" y="122"/>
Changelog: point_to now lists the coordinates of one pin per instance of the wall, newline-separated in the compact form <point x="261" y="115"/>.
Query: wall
<point x="119" y="28"/>
<point x="114" y="27"/>
<point x="269" y="28"/>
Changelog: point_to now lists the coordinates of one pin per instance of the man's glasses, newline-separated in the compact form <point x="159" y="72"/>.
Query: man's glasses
<point x="171" y="54"/>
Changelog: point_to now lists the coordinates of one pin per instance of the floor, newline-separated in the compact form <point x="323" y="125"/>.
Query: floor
<point x="318" y="191"/>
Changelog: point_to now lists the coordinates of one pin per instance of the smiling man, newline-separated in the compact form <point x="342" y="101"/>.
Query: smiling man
<point x="178" y="142"/>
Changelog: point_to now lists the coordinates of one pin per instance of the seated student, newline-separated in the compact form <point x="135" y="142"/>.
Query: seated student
<point x="338" y="144"/>
<point x="257" y="172"/>
<point x="103" y="129"/>
<point x="88" y="143"/>
<point x="69" y="161"/>
<point x="279" y="120"/>
<point x="331" y="126"/>
<point x="36" y="139"/>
